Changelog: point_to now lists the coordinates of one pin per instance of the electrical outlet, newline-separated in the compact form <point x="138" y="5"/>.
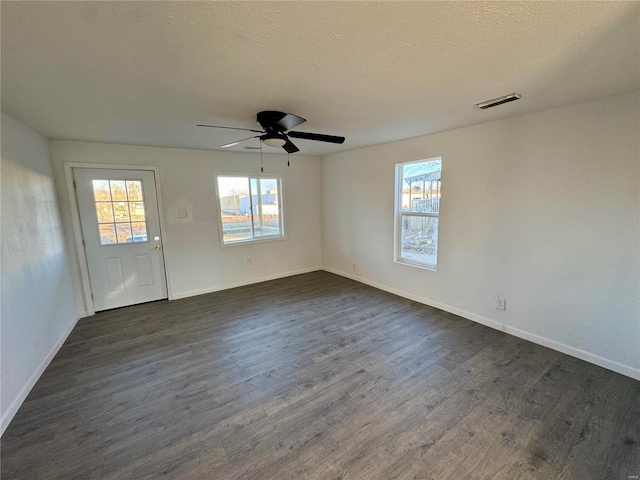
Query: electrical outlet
<point x="500" y="303"/>
<point x="353" y="267"/>
<point x="249" y="261"/>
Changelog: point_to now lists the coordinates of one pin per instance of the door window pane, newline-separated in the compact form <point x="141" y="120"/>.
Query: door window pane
<point x="101" y="191"/>
<point x="137" y="211"/>
<point x="134" y="190"/>
<point x="120" y="211"/>
<point x="104" y="211"/>
<point x="118" y="190"/>
<point x="139" y="231"/>
<point x="107" y="234"/>
<point x="123" y="231"/>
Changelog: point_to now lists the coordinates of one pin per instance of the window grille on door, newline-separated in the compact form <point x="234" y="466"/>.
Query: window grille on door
<point x="120" y="211"/>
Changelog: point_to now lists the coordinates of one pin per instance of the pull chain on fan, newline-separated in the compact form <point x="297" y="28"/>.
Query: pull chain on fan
<point x="261" y="166"/>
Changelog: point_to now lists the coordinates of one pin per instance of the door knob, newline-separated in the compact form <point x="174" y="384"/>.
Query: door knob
<point x="157" y="247"/>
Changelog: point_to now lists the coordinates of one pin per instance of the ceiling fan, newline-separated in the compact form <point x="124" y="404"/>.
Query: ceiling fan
<point x="276" y="130"/>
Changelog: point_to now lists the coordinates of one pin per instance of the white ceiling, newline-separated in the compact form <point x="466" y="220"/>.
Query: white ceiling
<point x="146" y="73"/>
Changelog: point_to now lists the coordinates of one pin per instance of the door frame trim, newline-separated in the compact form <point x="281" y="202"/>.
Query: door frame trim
<point x="81" y="254"/>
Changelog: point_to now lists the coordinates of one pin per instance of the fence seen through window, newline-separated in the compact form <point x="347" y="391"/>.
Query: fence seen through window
<point x="418" y="192"/>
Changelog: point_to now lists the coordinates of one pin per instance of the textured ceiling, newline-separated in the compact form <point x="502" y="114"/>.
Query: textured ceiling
<point x="146" y="72"/>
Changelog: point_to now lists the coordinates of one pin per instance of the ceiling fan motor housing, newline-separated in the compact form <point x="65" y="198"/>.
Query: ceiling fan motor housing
<point x="269" y="119"/>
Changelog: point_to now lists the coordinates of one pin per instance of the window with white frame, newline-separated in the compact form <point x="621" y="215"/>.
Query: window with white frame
<point x="250" y="208"/>
<point x="417" y="212"/>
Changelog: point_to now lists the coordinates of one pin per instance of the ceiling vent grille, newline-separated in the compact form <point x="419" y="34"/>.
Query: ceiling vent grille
<point x="498" y="101"/>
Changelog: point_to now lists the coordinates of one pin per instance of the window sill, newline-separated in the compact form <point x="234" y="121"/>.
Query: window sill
<point x="431" y="268"/>
<point x="253" y="240"/>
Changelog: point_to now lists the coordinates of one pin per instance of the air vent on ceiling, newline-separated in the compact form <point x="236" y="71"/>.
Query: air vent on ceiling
<point x="498" y="101"/>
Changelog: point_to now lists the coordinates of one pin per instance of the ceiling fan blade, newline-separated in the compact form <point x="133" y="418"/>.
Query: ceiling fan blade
<point x="231" y="128"/>
<point x="233" y="144"/>
<point x="290" y="147"/>
<point x="316" y="136"/>
<point x="289" y="121"/>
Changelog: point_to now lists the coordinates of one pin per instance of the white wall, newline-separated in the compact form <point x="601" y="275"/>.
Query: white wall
<point x="542" y="209"/>
<point x="38" y="306"/>
<point x="195" y="262"/>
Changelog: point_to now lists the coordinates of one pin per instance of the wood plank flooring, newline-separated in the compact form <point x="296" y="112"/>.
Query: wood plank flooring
<point x="316" y="377"/>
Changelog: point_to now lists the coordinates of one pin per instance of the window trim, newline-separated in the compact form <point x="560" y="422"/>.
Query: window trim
<point x="398" y="213"/>
<point x="249" y="176"/>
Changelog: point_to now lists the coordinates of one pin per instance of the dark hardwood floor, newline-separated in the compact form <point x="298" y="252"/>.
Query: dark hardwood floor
<point x="317" y="376"/>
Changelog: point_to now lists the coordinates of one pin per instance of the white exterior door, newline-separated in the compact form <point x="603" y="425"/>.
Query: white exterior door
<point x="121" y="232"/>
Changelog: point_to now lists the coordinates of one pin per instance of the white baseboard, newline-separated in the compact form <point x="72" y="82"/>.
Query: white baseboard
<point x="226" y="286"/>
<point x="532" y="337"/>
<point x="19" y="400"/>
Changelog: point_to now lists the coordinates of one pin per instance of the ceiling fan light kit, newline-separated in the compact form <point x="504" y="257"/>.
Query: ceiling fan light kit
<point x="273" y="141"/>
<point x="276" y="131"/>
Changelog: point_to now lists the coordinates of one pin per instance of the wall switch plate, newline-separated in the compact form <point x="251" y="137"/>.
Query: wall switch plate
<point x="500" y="303"/>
